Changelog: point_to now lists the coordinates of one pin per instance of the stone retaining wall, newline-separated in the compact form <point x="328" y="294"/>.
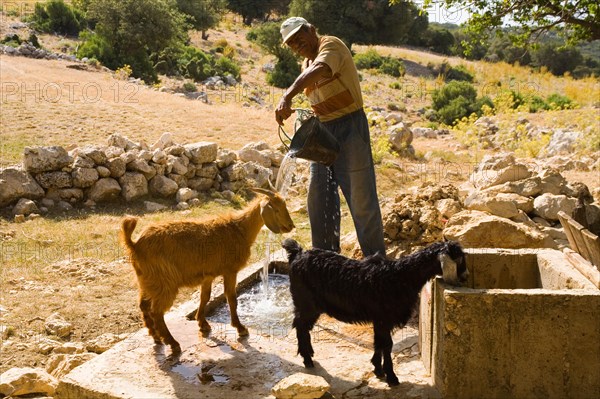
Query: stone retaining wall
<point x="126" y="171"/>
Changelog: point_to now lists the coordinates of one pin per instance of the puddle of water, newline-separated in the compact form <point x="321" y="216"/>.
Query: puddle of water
<point x="194" y="374"/>
<point x="260" y="310"/>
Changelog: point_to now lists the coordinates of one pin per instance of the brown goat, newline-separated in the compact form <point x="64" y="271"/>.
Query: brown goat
<point x="170" y="255"/>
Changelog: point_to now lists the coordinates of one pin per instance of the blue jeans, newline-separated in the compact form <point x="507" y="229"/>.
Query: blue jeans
<point x="354" y="173"/>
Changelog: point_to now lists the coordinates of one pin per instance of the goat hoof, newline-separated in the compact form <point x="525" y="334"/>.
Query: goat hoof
<point x="175" y="350"/>
<point x="205" y="327"/>
<point x="243" y="332"/>
<point x="308" y="363"/>
<point x="379" y="373"/>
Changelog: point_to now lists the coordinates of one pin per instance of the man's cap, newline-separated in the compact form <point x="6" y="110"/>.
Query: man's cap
<point x="290" y="26"/>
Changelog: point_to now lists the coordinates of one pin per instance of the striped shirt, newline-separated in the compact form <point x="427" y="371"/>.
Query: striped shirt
<point x="338" y="95"/>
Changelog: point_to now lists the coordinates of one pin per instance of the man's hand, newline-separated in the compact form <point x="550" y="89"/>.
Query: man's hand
<point x="283" y="111"/>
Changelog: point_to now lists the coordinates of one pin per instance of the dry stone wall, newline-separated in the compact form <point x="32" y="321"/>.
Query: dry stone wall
<point x="52" y="177"/>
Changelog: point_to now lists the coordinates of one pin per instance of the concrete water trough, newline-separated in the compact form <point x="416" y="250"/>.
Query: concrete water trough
<point x="527" y="325"/>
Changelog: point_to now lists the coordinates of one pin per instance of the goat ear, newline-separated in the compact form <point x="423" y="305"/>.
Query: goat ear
<point x="449" y="269"/>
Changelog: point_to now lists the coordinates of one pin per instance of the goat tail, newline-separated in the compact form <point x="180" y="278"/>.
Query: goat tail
<point x="292" y="247"/>
<point x="127" y="227"/>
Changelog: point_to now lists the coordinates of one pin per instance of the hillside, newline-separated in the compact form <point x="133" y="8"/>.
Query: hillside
<point x="71" y="104"/>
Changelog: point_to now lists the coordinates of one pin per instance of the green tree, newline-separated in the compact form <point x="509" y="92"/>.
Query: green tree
<point x="250" y="9"/>
<point x="557" y="59"/>
<point x="359" y="21"/>
<point x="578" y="20"/>
<point x="55" y="16"/>
<point x="202" y="15"/>
<point x="287" y="68"/>
<point x="134" y="29"/>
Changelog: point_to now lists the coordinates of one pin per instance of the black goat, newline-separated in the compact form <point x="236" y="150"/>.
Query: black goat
<point x="373" y="290"/>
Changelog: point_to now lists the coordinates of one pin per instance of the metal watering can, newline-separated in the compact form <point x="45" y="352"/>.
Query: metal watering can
<point x="311" y="140"/>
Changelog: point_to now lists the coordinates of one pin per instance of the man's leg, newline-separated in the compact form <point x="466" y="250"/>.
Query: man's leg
<point x="324" y="208"/>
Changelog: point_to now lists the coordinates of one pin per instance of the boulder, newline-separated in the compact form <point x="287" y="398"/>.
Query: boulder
<point x="207" y="170"/>
<point x="562" y="142"/>
<point x="177" y="165"/>
<point x="495" y="205"/>
<point x="202" y="152"/>
<point x="27" y="381"/>
<point x="61" y="364"/>
<point x="94" y="153"/>
<point x="225" y="158"/>
<point x="448" y="207"/>
<point x="106" y="189"/>
<point x="475" y="229"/>
<point x="84" y="177"/>
<point x="117" y="167"/>
<point x="25" y="207"/>
<point x="484" y="178"/>
<point x="185" y="194"/>
<point x="55" y="324"/>
<point x="163" y="186"/>
<point x="548" y="205"/>
<point x="133" y="186"/>
<point x="252" y="155"/>
<point x="300" y="386"/>
<point x="529" y="187"/>
<point x="141" y="165"/>
<point x="165" y="141"/>
<point x="104" y="342"/>
<point x="400" y="136"/>
<point x="16" y="183"/>
<point x="55" y="180"/>
<point x="45" y="159"/>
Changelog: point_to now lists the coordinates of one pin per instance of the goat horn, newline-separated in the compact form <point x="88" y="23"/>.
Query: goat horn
<point x="269" y="193"/>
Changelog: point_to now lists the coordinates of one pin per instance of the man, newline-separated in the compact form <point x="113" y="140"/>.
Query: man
<point x="330" y="81"/>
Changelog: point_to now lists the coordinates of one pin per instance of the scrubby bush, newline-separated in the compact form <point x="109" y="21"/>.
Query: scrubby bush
<point x="558" y="101"/>
<point x="286" y="68"/>
<point x="449" y="73"/>
<point x="537" y="103"/>
<point x="457" y="100"/>
<point x="55" y="16"/>
<point x="284" y="73"/>
<point x="371" y="59"/>
<point x="226" y="66"/>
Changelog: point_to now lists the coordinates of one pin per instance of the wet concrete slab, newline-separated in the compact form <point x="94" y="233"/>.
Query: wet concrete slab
<point x="221" y="365"/>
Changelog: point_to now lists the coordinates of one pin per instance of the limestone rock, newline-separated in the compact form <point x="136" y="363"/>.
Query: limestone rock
<point x="177" y="165"/>
<point x="400" y="136"/>
<point x="26" y="381"/>
<point x="55" y="324"/>
<point x="133" y="186"/>
<point x="252" y="155"/>
<point x="225" y="158"/>
<point x="45" y="159"/>
<point x="106" y="189"/>
<point x="208" y="170"/>
<point x="117" y="167"/>
<point x="300" y="386"/>
<point x="200" y="183"/>
<point x="25" y="207"/>
<point x="495" y="205"/>
<point x="185" y="194"/>
<point x="163" y="186"/>
<point x="165" y="140"/>
<point x="153" y="206"/>
<point x="16" y="183"/>
<point x="475" y="229"/>
<point x="61" y="364"/>
<point x="94" y="153"/>
<point x="84" y="177"/>
<point x="484" y="178"/>
<point x="104" y="342"/>
<point x="448" y="207"/>
<point x="55" y="180"/>
<point x="140" y="165"/>
<point x="548" y="205"/>
<point x="202" y="152"/>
